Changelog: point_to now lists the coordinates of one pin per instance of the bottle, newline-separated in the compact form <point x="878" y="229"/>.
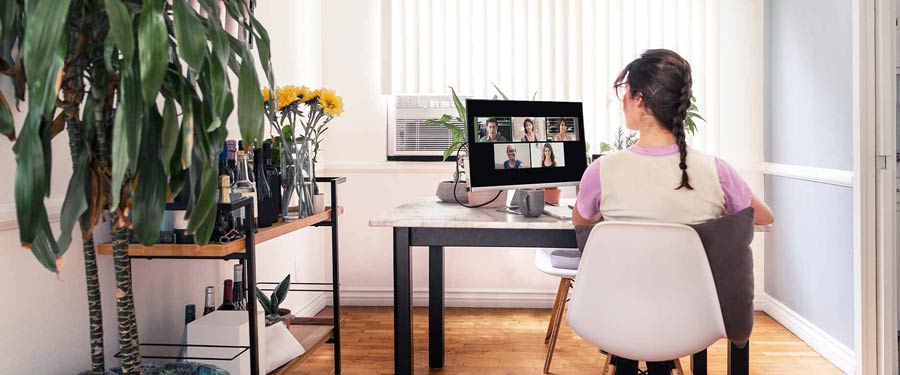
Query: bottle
<point x="190" y="313"/>
<point x="179" y="211"/>
<point x="224" y="217"/>
<point x="246" y="151"/>
<point x="227" y="301"/>
<point x="263" y="191"/>
<point x="231" y="162"/>
<point x="224" y="169"/>
<point x="209" y="304"/>
<point x="274" y="177"/>
<point x="243" y="187"/>
<point x="238" y="289"/>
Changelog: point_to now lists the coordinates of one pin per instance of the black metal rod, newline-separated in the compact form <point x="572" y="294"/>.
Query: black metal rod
<point x="403" y="333"/>
<point x="335" y="275"/>
<point x="738" y="359"/>
<point x="436" y="307"/>
<point x="698" y="363"/>
<point x="250" y="245"/>
<point x="298" y="290"/>
<point x="276" y="283"/>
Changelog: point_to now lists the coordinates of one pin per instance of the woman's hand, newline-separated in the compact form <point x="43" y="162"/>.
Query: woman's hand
<point x="577" y="219"/>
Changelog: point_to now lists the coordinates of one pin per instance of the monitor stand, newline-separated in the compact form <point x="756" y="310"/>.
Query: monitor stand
<point x="514" y="202"/>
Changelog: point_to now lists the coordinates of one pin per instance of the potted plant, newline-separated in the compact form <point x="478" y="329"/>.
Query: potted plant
<point x="271" y="304"/>
<point x="99" y="69"/>
<point x="624" y="141"/>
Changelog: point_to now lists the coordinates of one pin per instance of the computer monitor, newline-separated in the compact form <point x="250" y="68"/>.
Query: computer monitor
<point x="524" y="144"/>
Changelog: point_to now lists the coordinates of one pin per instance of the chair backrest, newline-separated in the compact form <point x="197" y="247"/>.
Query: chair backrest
<point x="645" y="291"/>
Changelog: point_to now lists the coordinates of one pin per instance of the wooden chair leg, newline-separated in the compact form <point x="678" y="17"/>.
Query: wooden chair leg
<point x="677" y="370"/>
<point x="563" y="283"/>
<point x="557" y="322"/>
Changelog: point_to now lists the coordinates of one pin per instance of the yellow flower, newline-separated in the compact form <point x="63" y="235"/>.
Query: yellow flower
<point x="267" y="94"/>
<point x="287" y="94"/>
<point x="331" y="103"/>
<point x="306" y="94"/>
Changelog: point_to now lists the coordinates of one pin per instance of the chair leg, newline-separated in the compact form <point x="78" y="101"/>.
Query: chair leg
<point x="677" y="370"/>
<point x="563" y="283"/>
<point x="609" y="368"/>
<point x="557" y="321"/>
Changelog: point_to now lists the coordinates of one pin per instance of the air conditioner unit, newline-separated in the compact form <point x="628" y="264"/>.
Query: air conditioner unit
<point x="409" y="137"/>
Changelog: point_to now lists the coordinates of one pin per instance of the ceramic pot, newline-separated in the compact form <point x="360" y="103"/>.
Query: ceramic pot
<point x="445" y="192"/>
<point x="319" y="203"/>
<point x="285" y="315"/>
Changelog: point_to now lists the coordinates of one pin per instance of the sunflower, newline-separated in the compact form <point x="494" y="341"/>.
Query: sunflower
<point x="305" y="94"/>
<point x="267" y="94"/>
<point x="331" y="103"/>
<point x="287" y="94"/>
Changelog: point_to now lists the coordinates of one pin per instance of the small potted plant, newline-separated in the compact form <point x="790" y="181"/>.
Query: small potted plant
<point x="270" y="304"/>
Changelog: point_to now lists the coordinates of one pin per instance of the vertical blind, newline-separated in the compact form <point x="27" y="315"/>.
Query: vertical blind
<point x="567" y="50"/>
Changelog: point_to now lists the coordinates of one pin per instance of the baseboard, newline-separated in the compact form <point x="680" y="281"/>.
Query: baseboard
<point x="497" y="298"/>
<point x="312" y="306"/>
<point x="829" y="347"/>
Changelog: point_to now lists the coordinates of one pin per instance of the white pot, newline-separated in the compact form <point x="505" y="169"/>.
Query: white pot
<point x="318" y="203"/>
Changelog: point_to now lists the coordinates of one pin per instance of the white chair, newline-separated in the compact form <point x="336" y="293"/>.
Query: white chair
<point x="646" y="292"/>
<point x="566" y="277"/>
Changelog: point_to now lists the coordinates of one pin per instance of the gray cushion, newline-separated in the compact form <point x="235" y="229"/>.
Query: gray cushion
<point x="565" y="259"/>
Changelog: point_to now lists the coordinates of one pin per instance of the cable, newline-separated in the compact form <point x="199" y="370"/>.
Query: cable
<point x="456" y="182"/>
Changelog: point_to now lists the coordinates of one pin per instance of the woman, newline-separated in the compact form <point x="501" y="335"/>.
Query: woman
<point x="548" y="159"/>
<point x="528" y="126"/>
<point x="563" y="132"/>
<point x="660" y="178"/>
<point x="512" y="162"/>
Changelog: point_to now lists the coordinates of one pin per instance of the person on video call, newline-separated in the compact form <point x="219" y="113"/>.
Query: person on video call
<point x="493" y="134"/>
<point x="563" y="132"/>
<point x="548" y="159"/>
<point x="512" y="162"/>
<point x="660" y="178"/>
<point x="528" y="126"/>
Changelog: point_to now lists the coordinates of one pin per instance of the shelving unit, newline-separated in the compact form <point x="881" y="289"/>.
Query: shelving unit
<point x="311" y="335"/>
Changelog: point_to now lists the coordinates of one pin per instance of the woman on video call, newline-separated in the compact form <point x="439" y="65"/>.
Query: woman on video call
<point x="528" y="126"/>
<point x="563" y="132"/>
<point x="685" y="186"/>
<point x="548" y="159"/>
<point x="512" y="162"/>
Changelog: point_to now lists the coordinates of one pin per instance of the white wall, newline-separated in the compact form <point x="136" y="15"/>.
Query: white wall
<point x="47" y="333"/>
<point x="481" y="276"/>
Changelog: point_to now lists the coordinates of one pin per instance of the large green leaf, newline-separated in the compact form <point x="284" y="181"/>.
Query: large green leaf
<point x="263" y="46"/>
<point x="190" y="34"/>
<point x="150" y="194"/>
<point x="250" y="101"/>
<point x="44" y="246"/>
<point x="169" y="134"/>
<point x="126" y="130"/>
<point x="75" y="203"/>
<point x="120" y="21"/>
<point x="281" y="291"/>
<point x="153" y="48"/>
<point x="460" y="108"/>
<point x="42" y="49"/>
<point x="7" y="125"/>
<point x="187" y="131"/>
<point x="8" y="10"/>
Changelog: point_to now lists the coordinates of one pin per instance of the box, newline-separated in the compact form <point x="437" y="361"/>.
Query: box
<point x="227" y="328"/>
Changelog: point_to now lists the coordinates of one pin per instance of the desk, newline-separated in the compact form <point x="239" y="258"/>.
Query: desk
<point x="427" y="222"/>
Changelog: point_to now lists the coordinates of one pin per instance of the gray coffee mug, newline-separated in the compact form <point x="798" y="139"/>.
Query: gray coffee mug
<point x="531" y="202"/>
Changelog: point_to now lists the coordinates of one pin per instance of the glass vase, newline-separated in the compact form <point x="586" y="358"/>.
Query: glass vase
<point x="306" y="178"/>
<point x="288" y="165"/>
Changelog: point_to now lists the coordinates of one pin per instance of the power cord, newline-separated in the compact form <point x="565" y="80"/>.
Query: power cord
<point x="456" y="182"/>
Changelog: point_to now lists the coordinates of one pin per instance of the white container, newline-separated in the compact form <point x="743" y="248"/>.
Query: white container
<point x="318" y="203"/>
<point x="227" y="328"/>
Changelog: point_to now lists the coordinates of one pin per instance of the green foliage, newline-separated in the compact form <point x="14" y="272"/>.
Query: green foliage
<point x="447" y="121"/>
<point x="271" y="303"/>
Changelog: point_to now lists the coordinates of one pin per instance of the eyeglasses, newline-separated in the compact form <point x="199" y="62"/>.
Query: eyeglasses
<point x="621" y="90"/>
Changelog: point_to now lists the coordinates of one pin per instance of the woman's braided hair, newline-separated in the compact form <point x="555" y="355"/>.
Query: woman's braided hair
<point x="663" y="79"/>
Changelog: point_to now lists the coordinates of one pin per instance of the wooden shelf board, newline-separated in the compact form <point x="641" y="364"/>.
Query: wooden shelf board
<point x="220" y="250"/>
<point x="311" y="337"/>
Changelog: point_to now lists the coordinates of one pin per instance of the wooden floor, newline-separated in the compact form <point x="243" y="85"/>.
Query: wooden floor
<point x="511" y="341"/>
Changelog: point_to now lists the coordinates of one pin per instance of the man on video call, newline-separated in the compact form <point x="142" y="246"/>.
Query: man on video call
<point x="493" y="134"/>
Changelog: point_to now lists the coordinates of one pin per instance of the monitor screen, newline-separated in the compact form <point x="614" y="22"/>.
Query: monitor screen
<point x="524" y="144"/>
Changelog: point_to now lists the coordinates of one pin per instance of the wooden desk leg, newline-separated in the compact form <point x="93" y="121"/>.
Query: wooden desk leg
<point x="403" y="332"/>
<point x="698" y="363"/>
<point x="436" y="307"/>
<point x="738" y="359"/>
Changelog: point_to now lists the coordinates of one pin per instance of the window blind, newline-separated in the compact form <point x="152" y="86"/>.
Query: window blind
<point x="566" y="50"/>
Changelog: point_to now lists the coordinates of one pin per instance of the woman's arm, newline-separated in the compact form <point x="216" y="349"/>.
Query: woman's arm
<point x="577" y="219"/>
<point x="762" y="216"/>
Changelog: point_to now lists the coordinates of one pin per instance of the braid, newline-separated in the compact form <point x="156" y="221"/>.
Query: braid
<point x="678" y="126"/>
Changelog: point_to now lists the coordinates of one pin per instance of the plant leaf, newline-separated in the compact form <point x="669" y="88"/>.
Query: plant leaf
<point x="190" y="34"/>
<point x="7" y="124"/>
<point x="499" y="91"/>
<point x="153" y="49"/>
<point x="460" y="108"/>
<point x="75" y="203"/>
<point x="120" y="21"/>
<point x="149" y="199"/>
<point x="170" y="130"/>
<point x="127" y="128"/>
<point x="281" y="291"/>
<point x="265" y="302"/>
<point x="250" y="103"/>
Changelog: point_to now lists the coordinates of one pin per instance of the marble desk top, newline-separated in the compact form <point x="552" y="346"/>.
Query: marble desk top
<point x="432" y="213"/>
